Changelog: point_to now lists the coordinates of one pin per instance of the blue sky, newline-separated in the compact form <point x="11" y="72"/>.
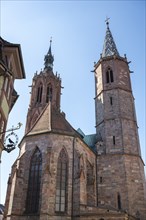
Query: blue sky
<point x="78" y="30"/>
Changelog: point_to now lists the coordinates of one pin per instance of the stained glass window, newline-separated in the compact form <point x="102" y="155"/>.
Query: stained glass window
<point x="61" y="182"/>
<point x="33" y="192"/>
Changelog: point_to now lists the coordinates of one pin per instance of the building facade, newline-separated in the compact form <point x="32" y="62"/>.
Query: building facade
<point x="11" y="68"/>
<point x="63" y="174"/>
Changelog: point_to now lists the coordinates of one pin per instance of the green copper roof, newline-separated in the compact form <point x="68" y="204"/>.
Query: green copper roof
<point x="90" y="139"/>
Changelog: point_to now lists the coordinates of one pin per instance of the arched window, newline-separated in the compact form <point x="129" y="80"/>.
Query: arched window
<point x="61" y="182"/>
<point x="49" y="93"/>
<point x="39" y="93"/>
<point x="109" y="76"/>
<point x="33" y="191"/>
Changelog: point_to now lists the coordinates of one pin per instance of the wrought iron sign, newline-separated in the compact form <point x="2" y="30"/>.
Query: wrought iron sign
<point x="11" y="140"/>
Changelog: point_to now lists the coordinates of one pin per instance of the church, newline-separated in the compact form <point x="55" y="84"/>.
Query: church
<point x="62" y="173"/>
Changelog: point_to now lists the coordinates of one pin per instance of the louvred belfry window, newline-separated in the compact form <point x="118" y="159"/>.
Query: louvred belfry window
<point x="33" y="191"/>
<point x="61" y="182"/>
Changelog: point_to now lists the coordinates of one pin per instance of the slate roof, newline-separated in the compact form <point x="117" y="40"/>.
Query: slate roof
<point x="109" y="47"/>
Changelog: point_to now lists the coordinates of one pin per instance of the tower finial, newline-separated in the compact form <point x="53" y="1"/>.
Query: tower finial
<point x="107" y="21"/>
<point x="49" y="58"/>
<point x="49" y="52"/>
<point x="50" y="41"/>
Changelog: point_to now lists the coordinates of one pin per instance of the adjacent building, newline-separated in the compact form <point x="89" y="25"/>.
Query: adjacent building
<point x="11" y="68"/>
<point x="62" y="173"/>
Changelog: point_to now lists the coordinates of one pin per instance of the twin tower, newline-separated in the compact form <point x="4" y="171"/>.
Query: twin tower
<point x="62" y="173"/>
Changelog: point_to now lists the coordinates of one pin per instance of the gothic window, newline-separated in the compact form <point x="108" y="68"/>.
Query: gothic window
<point x="90" y="184"/>
<point x="39" y="93"/>
<point x="33" y="191"/>
<point x="61" y="182"/>
<point x="49" y="93"/>
<point x="109" y="76"/>
<point x="119" y="201"/>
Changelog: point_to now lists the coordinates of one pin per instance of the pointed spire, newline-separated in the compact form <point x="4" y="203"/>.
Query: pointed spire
<point x="109" y="47"/>
<point x="49" y="59"/>
<point x="50" y="52"/>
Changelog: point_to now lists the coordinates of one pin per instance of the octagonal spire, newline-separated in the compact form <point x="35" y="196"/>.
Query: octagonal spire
<point x="109" y="47"/>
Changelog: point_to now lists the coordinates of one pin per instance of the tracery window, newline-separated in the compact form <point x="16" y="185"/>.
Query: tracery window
<point x="61" y="182"/>
<point x="49" y="93"/>
<point x="33" y="191"/>
<point x="109" y="76"/>
<point x="39" y="93"/>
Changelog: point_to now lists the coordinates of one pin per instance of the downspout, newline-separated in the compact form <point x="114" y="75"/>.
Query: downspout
<point x="73" y="147"/>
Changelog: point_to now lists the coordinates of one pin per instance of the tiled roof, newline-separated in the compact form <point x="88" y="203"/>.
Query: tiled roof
<point x="51" y="120"/>
<point x="109" y="47"/>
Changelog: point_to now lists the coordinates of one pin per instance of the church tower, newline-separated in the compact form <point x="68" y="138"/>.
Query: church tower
<point x="46" y="87"/>
<point x="120" y="166"/>
<point x="62" y="173"/>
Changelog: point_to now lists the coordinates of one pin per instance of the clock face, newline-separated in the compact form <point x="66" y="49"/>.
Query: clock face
<point x="10" y="142"/>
